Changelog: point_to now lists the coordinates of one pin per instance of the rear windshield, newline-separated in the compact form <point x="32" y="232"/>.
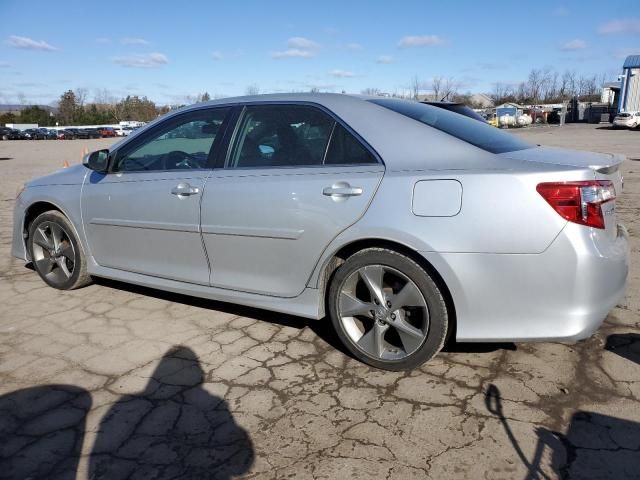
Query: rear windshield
<point x="480" y="134"/>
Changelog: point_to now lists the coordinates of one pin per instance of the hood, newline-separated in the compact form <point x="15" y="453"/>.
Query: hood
<point x="67" y="176"/>
<point x="602" y="162"/>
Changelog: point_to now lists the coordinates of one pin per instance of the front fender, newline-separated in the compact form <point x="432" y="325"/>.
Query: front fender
<point x="65" y="198"/>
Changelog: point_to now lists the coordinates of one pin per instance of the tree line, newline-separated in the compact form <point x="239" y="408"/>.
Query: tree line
<point x="73" y="109"/>
<point x="543" y="85"/>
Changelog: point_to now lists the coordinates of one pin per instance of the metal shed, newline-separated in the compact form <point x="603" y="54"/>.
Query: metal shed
<point x="630" y="85"/>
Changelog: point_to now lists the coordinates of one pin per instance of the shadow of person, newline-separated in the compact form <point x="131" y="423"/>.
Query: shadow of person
<point x="41" y="431"/>
<point x="594" y="445"/>
<point x="172" y="429"/>
<point x="627" y="345"/>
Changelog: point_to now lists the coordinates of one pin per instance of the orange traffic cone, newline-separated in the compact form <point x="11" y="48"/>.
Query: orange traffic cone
<point x="65" y="164"/>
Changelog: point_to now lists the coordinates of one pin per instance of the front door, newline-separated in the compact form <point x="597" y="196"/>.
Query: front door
<point x="144" y="216"/>
<point x="295" y="178"/>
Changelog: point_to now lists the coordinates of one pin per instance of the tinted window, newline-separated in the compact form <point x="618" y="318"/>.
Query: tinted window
<point x="347" y="149"/>
<point x="182" y="142"/>
<point x="476" y="133"/>
<point x="281" y="136"/>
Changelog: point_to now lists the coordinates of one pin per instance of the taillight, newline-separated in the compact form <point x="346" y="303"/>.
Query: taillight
<point x="579" y="202"/>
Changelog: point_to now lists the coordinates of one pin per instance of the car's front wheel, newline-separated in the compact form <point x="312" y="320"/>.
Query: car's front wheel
<point x="56" y="253"/>
<point x="387" y="310"/>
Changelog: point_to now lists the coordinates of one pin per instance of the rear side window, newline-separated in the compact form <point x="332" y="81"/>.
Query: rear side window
<point x="345" y="149"/>
<point x="281" y="136"/>
<point x="293" y="136"/>
<point x="476" y="133"/>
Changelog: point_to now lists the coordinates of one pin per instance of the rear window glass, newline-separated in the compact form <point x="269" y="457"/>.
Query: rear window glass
<point x="476" y="133"/>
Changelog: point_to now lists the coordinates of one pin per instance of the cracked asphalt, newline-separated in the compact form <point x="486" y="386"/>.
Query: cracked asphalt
<point x="116" y="381"/>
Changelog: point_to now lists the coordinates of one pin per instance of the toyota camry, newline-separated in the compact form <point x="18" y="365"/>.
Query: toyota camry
<point x="401" y="223"/>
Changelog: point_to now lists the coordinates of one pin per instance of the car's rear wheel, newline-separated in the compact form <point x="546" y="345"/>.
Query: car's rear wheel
<point x="56" y="253"/>
<point x="387" y="310"/>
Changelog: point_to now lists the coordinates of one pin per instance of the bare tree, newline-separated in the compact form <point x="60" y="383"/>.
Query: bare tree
<point x="436" y="87"/>
<point x="252" y="89"/>
<point x="449" y="89"/>
<point x="415" y="87"/>
<point x="370" y="91"/>
<point x="81" y="96"/>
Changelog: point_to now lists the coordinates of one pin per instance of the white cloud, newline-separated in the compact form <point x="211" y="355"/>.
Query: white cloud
<point x="575" y="44"/>
<point x="299" y="47"/>
<point x="342" y="74"/>
<point x="419" y="41"/>
<point x="630" y="25"/>
<point x="302" y="43"/>
<point x="153" y="60"/>
<point x="29" y="43"/>
<point x="134" y="41"/>
<point x="216" y="55"/>
<point x="292" y="53"/>
<point x="385" y="59"/>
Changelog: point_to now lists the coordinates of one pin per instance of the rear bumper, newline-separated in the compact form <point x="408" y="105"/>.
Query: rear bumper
<point x="564" y="293"/>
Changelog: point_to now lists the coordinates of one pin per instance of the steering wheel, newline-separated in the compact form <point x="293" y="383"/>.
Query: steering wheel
<point x="179" y="159"/>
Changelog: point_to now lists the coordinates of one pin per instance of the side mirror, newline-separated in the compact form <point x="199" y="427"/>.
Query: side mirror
<point x="97" y="161"/>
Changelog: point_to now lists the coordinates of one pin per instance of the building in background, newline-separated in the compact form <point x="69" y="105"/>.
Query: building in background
<point x="630" y="85"/>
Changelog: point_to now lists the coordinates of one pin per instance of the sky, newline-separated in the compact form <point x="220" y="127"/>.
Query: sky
<point x="171" y="50"/>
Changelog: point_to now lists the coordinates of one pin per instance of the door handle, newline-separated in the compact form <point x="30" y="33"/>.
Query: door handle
<point x="184" y="190"/>
<point x="341" y="189"/>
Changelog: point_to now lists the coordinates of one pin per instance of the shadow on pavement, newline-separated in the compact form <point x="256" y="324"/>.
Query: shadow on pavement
<point x="41" y="431"/>
<point x="322" y="328"/>
<point x="627" y="345"/>
<point x="172" y="429"/>
<point x="594" y="445"/>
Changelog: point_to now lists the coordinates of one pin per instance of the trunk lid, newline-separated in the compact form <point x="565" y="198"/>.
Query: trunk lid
<point x="605" y="166"/>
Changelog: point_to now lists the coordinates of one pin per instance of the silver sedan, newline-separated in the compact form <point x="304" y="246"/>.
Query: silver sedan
<point x="403" y="223"/>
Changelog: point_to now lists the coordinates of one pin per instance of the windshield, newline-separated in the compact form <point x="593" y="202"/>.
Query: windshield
<point x="479" y="134"/>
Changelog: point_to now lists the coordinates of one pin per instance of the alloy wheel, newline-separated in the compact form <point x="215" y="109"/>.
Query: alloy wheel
<point x="53" y="252"/>
<point x="383" y="312"/>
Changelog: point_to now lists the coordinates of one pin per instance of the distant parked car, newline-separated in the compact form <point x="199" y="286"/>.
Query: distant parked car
<point x="78" y="132"/>
<point x="457" y="107"/>
<point x="627" y="120"/>
<point x="17" y="135"/>
<point x="66" y="134"/>
<point x="5" y="133"/>
<point x="93" y="133"/>
<point x="48" y="134"/>
<point x="106" y="132"/>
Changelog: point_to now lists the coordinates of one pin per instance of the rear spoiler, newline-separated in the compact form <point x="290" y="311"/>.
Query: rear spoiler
<point x="611" y="167"/>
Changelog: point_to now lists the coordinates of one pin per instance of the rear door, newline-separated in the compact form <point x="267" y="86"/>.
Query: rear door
<point x="293" y="180"/>
<point x="144" y="216"/>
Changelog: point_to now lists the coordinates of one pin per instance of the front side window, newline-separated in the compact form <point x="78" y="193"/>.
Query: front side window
<point x="181" y="143"/>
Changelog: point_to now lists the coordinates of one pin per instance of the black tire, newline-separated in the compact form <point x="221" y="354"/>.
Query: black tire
<point x="75" y="262"/>
<point x="438" y="320"/>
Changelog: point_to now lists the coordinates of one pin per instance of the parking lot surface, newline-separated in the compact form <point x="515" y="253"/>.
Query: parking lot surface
<point x="128" y="382"/>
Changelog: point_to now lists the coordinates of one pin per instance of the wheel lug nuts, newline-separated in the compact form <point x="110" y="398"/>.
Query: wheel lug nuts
<point x="389" y="304"/>
<point x="393" y="316"/>
<point x="376" y="301"/>
<point x="372" y="312"/>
